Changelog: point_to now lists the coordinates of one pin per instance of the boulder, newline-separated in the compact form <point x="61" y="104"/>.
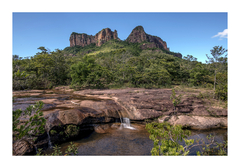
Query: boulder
<point x="75" y="116"/>
<point x="198" y="122"/>
<point x="23" y="147"/>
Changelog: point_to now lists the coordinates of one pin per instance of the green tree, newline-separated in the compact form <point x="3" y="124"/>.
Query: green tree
<point x="221" y="91"/>
<point x="87" y="73"/>
<point x="175" y="99"/>
<point x="199" y="75"/>
<point x="186" y="65"/>
<point x="217" y="60"/>
<point x="18" y="77"/>
<point x="166" y="139"/>
<point x="156" y="74"/>
<point x="35" y="122"/>
<point x="48" y="69"/>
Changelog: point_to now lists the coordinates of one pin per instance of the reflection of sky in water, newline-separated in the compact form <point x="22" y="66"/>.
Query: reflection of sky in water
<point x="129" y="142"/>
<point x="117" y="141"/>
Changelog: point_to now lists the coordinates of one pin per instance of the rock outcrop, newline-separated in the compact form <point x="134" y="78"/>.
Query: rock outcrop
<point x="105" y="35"/>
<point x="100" y="38"/>
<point x="73" y="115"/>
<point x="142" y="104"/>
<point x="196" y="122"/>
<point x="23" y="147"/>
<point x="138" y="35"/>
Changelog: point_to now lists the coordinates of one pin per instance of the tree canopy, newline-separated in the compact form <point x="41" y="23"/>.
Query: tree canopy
<point x="119" y="64"/>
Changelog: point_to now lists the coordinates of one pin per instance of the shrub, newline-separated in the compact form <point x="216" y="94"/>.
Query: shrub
<point x="33" y="126"/>
<point x="166" y="141"/>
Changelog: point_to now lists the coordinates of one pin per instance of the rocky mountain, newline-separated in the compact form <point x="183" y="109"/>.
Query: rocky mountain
<point x="138" y="35"/>
<point x="100" y="38"/>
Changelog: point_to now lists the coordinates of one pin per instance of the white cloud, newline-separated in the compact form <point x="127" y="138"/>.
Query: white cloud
<point x="221" y="35"/>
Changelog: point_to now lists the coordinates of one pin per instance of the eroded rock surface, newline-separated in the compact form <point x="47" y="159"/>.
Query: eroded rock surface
<point x="66" y="111"/>
<point x="141" y="104"/>
<point x="77" y="39"/>
<point x="138" y="35"/>
<point x="72" y="114"/>
<point x="199" y="122"/>
<point x="23" y="147"/>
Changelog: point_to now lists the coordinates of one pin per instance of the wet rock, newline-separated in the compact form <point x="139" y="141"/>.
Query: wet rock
<point x="141" y="104"/>
<point x="76" y="116"/>
<point x="101" y="128"/>
<point x="115" y="125"/>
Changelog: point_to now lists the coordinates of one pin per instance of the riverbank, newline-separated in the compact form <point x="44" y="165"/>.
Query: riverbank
<point x="72" y="114"/>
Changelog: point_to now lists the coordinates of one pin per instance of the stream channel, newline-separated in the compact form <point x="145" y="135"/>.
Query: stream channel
<point x="127" y="141"/>
<point x="120" y="139"/>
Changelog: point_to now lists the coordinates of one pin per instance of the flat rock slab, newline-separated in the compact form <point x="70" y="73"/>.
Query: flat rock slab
<point x="134" y="103"/>
<point x="198" y="122"/>
<point x="142" y="103"/>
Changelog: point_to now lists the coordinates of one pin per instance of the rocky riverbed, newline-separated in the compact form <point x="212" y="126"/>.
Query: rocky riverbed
<point x="74" y="114"/>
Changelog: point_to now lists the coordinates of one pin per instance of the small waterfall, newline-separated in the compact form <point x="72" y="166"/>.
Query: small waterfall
<point x="49" y="138"/>
<point x="120" y="118"/>
<point x="126" y="124"/>
<point x="35" y="146"/>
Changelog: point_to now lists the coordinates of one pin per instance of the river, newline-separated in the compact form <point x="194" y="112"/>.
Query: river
<point x="129" y="142"/>
<point x="117" y="140"/>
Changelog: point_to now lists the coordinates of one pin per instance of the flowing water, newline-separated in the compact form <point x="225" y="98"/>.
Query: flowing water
<point x="124" y="141"/>
<point x="49" y="139"/>
<point x="125" y="123"/>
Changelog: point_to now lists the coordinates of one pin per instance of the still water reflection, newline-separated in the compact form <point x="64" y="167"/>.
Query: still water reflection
<point x="129" y="141"/>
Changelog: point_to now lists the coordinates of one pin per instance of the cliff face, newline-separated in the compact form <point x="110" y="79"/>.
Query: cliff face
<point x="104" y="36"/>
<point x="99" y="39"/>
<point x="138" y="35"/>
<point x="81" y="39"/>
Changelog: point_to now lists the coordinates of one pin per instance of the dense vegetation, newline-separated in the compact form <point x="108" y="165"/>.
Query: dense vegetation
<point x="167" y="141"/>
<point x="118" y="64"/>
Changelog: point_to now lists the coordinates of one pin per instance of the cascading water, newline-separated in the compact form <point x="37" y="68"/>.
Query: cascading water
<point x="126" y="124"/>
<point x="49" y="139"/>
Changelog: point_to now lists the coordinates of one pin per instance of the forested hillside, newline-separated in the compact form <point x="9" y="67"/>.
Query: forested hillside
<point x="118" y="64"/>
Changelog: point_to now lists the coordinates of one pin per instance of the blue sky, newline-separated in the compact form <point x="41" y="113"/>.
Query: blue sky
<point x="188" y="33"/>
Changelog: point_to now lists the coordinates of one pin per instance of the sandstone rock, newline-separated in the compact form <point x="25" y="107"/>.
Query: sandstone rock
<point x="104" y="36"/>
<point x="81" y="39"/>
<point x="75" y="116"/>
<point x="101" y="128"/>
<point x="163" y="119"/>
<point x="100" y="38"/>
<point x="115" y="125"/>
<point x="146" y="46"/>
<point x="198" y="122"/>
<point x="138" y="35"/>
<point x="141" y="104"/>
<point x="23" y="147"/>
